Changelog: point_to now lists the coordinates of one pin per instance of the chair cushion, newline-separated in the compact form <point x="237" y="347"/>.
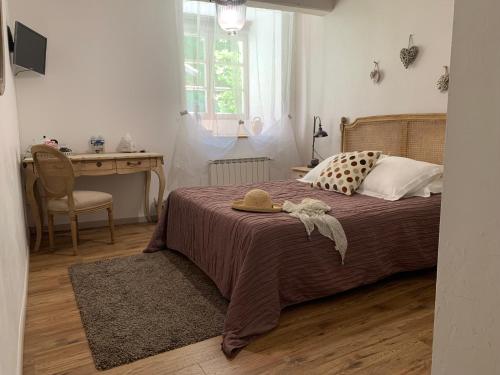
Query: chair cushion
<point x="83" y="200"/>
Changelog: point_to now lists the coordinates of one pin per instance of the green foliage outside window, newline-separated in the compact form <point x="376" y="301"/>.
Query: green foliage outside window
<point x="228" y="75"/>
<point x="228" y="55"/>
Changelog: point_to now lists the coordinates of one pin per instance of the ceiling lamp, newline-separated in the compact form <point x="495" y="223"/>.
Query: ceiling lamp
<point x="231" y="15"/>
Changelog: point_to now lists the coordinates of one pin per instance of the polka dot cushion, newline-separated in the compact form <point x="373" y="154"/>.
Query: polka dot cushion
<point x="347" y="171"/>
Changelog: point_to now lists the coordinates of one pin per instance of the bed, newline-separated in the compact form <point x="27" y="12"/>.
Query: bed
<point x="264" y="262"/>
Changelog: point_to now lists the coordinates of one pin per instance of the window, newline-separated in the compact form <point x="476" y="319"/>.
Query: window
<point x="216" y="72"/>
<point x="196" y="73"/>
<point x="229" y="73"/>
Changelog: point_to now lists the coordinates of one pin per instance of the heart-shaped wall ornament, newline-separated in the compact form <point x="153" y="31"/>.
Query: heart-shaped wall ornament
<point x="409" y="55"/>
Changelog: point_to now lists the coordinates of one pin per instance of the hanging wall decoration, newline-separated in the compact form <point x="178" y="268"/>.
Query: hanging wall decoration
<point x="444" y="80"/>
<point x="376" y="74"/>
<point x="409" y="55"/>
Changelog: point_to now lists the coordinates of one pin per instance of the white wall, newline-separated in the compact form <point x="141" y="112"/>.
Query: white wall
<point x="467" y="325"/>
<point x="336" y="53"/>
<point x="13" y="246"/>
<point x="110" y="70"/>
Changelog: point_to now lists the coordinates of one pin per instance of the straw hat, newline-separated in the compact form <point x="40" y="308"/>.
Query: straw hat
<point x="256" y="201"/>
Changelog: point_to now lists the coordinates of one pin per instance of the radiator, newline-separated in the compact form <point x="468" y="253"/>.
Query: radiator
<point x="239" y="171"/>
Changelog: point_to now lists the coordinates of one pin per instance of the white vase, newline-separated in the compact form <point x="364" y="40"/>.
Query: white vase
<point x="257" y="125"/>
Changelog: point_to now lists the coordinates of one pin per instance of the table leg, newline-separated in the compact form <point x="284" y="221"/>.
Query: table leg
<point x="161" y="189"/>
<point x="147" y="212"/>
<point x="34" y="206"/>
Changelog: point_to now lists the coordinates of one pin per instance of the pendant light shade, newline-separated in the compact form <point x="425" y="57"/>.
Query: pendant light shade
<point x="231" y="15"/>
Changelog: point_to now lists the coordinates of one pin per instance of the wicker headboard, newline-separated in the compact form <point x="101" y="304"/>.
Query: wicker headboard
<point x="419" y="136"/>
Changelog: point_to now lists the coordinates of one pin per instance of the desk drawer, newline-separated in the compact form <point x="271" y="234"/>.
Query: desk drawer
<point x="131" y="165"/>
<point x="97" y="166"/>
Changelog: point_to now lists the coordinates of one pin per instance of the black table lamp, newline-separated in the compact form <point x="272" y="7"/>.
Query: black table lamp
<point x="316" y="134"/>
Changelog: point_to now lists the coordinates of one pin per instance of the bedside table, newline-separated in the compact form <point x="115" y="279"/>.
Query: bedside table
<point x="299" y="172"/>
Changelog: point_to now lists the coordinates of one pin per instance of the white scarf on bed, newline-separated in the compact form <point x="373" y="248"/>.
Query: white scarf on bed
<point x="313" y="213"/>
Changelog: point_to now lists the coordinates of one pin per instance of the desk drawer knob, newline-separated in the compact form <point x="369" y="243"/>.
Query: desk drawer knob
<point x="99" y="164"/>
<point x="133" y="164"/>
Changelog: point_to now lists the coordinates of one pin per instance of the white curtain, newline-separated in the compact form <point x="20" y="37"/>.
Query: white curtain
<point x="249" y="76"/>
<point x="271" y="53"/>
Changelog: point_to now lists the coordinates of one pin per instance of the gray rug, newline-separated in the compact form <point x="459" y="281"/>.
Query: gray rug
<point x="139" y="306"/>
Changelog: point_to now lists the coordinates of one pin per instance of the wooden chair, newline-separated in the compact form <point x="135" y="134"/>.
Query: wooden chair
<point x="57" y="177"/>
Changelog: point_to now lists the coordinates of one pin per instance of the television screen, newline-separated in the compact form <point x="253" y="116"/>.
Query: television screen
<point x="30" y="49"/>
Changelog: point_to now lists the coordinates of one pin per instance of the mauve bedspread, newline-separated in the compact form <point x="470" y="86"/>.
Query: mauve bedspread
<point x="264" y="262"/>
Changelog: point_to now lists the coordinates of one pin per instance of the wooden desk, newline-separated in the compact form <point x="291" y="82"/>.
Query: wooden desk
<point x="299" y="172"/>
<point x="98" y="165"/>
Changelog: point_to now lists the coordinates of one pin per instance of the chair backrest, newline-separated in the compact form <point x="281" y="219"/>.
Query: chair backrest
<point x="55" y="171"/>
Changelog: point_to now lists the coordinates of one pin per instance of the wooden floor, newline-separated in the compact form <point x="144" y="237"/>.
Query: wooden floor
<point x="381" y="329"/>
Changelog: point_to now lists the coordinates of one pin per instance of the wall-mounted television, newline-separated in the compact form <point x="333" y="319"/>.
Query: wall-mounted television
<point x="30" y="49"/>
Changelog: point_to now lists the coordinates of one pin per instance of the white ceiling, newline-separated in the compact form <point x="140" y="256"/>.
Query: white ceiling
<point x="319" y="7"/>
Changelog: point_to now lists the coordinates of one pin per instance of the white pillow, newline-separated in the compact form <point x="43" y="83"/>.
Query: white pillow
<point x="394" y="177"/>
<point x="313" y="174"/>
<point x="434" y="187"/>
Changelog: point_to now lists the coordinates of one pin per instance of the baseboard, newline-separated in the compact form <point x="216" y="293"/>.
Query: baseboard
<point x="22" y="320"/>
<point x="103" y="223"/>
<point x="99" y="223"/>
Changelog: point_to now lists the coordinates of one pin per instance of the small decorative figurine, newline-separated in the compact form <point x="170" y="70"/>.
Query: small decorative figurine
<point x="409" y="55"/>
<point x="444" y="80"/>
<point x="49" y="142"/>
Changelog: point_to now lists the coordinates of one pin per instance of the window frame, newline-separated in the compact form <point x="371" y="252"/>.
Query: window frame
<point x="205" y="27"/>
<point x="204" y="87"/>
